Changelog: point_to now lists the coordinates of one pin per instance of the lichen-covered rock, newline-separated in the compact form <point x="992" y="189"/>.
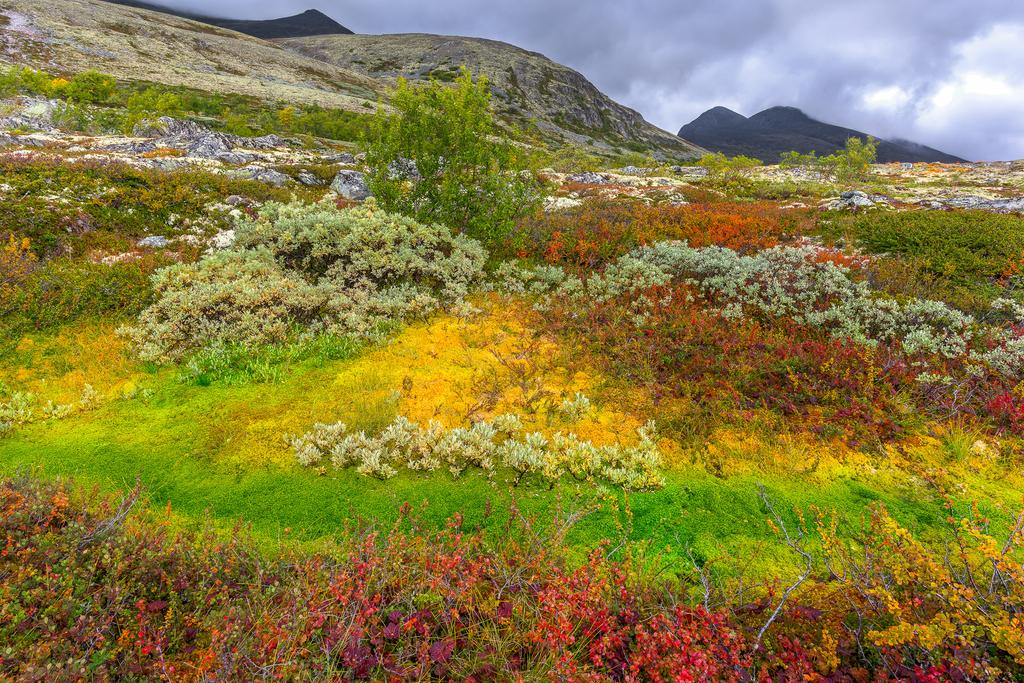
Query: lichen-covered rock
<point x="351" y="185"/>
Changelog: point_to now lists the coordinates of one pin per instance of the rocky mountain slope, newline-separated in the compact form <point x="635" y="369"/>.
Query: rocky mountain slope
<point x="139" y="44"/>
<point x="309" y="23"/>
<point x="528" y="87"/>
<point x="772" y="132"/>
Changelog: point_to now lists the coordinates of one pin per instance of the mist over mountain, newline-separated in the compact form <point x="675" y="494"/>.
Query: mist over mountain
<point x="309" y="23"/>
<point x="771" y="133"/>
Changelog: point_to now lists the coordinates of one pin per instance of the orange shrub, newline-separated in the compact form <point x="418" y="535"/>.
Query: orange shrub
<point x="591" y="235"/>
<point x="16" y="263"/>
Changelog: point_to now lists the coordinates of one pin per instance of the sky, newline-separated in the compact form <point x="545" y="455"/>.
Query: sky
<point x="946" y="73"/>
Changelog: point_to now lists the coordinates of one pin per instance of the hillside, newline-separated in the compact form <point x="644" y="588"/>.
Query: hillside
<point x="139" y="44"/>
<point x="772" y="132"/>
<point x="309" y="23"/>
<point x="527" y="86"/>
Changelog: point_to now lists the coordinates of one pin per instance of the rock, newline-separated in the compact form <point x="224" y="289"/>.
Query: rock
<point x="20" y="141"/>
<point x="261" y="174"/>
<point x="236" y="200"/>
<point x="33" y="113"/>
<point x="223" y="239"/>
<point x="199" y="142"/>
<point x="154" y="242"/>
<point x="1012" y="205"/>
<point x="165" y="164"/>
<point x="590" y="178"/>
<point x="130" y="147"/>
<point x="343" y="158"/>
<point x="552" y="204"/>
<point x="854" y="199"/>
<point x="168" y="127"/>
<point x="633" y="170"/>
<point x="208" y="146"/>
<point x="695" y="171"/>
<point x="309" y="180"/>
<point x="351" y="185"/>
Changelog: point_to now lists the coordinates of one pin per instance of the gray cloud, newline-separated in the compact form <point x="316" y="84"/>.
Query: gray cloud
<point x="947" y="73"/>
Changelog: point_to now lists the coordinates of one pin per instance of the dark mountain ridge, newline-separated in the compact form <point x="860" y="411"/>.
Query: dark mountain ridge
<point x="309" y="23"/>
<point x="770" y="133"/>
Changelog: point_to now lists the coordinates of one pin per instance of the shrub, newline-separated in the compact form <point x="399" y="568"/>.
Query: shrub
<point x="791" y="282"/>
<point x="441" y="159"/>
<point x="95" y="588"/>
<point x="849" y="164"/>
<point x="90" y="87"/>
<point x="110" y="206"/>
<point x="241" y="297"/>
<point x="485" y="445"/>
<point x="726" y="169"/>
<point x="590" y="236"/>
<point x="961" y="247"/>
<point x="16" y="263"/>
<point x="307" y="267"/>
<point x="63" y="289"/>
<point x="657" y="299"/>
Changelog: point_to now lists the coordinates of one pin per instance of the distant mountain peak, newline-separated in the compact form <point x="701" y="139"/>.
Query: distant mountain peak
<point x="719" y="116"/>
<point x="312" y="22"/>
<point x="781" y="113"/>
<point x="770" y="133"/>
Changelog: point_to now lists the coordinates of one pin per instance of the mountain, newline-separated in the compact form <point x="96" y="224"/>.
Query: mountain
<point x="146" y="43"/>
<point x="527" y="86"/>
<point x="770" y="133"/>
<point x="309" y="23"/>
<point x="139" y="44"/>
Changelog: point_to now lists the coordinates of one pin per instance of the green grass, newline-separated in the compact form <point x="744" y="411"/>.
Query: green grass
<point x="189" y="446"/>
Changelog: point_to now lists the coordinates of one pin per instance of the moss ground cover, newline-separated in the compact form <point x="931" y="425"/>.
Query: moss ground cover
<point x="218" y="449"/>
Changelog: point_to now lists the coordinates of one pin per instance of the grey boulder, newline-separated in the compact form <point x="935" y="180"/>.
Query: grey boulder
<point x="351" y="185"/>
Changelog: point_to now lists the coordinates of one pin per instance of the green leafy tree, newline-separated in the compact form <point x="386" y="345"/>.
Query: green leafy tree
<point x="440" y="158"/>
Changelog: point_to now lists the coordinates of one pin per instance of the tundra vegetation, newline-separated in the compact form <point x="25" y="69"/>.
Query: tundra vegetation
<point x="662" y="426"/>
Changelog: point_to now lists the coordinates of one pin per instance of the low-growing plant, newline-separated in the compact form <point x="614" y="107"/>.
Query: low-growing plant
<point x="63" y="290"/>
<point x="307" y="267"/>
<point x="486" y="445"/>
<point x="101" y="588"/>
<point x="961" y="247"/>
<point x="592" y="235"/>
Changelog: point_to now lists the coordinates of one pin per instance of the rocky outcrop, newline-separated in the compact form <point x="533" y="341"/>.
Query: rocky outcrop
<point x="30" y="113"/>
<point x="198" y="141"/>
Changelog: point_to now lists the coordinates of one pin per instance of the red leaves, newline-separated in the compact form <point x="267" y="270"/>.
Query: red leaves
<point x="406" y="605"/>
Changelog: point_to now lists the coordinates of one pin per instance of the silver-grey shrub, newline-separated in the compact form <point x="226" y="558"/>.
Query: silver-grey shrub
<point x="781" y="281"/>
<point x="484" y="446"/>
<point x="309" y="267"/>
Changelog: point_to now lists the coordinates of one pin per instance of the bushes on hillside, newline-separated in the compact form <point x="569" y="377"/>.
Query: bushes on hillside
<point x="62" y="290"/>
<point x="441" y="159"/>
<point x="307" y="267"/>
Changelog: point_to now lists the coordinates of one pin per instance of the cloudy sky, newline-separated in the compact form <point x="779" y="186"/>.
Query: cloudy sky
<point x="947" y="73"/>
